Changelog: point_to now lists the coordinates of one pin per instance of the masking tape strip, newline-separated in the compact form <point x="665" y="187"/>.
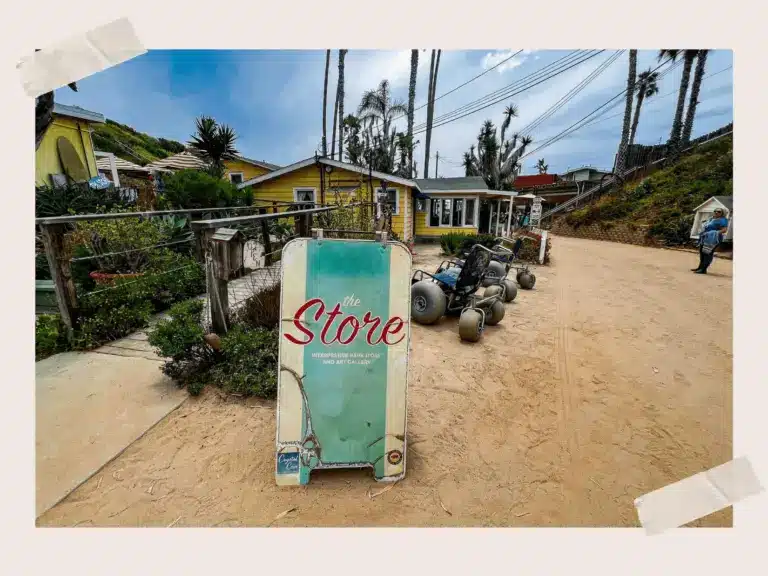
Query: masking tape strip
<point x="697" y="496"/>
<point x="79" y="56"/>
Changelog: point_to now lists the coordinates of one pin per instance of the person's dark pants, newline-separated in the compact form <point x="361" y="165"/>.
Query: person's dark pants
<point x="705" y="259"/>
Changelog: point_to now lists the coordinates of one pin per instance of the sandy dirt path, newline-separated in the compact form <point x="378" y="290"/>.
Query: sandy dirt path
<point x="612" y="378"/>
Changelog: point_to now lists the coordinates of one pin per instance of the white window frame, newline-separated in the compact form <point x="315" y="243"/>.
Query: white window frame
<point x="242" y="177"/>
<point x="464" y="212"/>
<point x="305" y="189"/>
<point x="397" y="200"/>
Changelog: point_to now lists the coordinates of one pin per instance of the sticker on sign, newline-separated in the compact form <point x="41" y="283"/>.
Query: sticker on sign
<point x="344" y="334"/>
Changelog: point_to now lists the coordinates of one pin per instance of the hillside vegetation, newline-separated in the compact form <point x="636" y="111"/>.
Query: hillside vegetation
<point x="665" y="200"/>
<point x="132" y="145"/>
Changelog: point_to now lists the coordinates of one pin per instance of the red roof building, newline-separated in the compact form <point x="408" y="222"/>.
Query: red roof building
<point x="523" y="182"/>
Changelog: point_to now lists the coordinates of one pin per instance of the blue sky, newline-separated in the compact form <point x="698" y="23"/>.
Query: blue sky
<point x="273" y="99"/>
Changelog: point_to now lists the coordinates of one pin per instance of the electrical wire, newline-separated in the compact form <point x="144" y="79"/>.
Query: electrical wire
<point x="515" y="93"/>
<point x="656" y="98"/>
<point x="585" y="120"/>
<point x="570" y="94"/>
<point x="505" y="91"/>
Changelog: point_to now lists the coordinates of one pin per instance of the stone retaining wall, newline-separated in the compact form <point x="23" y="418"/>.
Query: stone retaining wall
<point x="621" y="232"/>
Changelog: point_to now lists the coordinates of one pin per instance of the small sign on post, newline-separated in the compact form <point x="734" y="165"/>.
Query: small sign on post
<point x="536" y="212"/>
<point x="343" y="359"/>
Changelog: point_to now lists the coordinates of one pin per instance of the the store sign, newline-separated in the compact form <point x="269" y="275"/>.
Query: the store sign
<point x="344" y="336"/>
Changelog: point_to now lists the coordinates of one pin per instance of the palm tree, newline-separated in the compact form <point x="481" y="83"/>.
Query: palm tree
<point x="541" y="166"/>
<point x="622" y="154"/>
<point x="411" y="105"/>
<point x="694" y="100"/>
<point x="646" y="88"/>
<point x="325" y="101"/>
<point x="342" y="55"/>
<point x="677" y="124"/>
<point x="509" y="113"/>
<point x="433" y="68"/>
<point x="377" y="110"/>
<point x="214" y="142"/>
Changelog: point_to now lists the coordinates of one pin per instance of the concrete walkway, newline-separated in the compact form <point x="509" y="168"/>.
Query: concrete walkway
<point x="90" y="406"/>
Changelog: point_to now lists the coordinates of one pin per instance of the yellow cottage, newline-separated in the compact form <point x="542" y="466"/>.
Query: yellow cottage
<point x="317" y="181"/>
<point x="237" y="169"/>
<point x="70" y="129"/>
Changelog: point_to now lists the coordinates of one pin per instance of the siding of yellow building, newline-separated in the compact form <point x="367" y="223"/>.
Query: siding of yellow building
<point x="282" y="188"/>
<point x="424" y="230"/>
<point x="47" y="155"/>
<point x="246" y="169"/>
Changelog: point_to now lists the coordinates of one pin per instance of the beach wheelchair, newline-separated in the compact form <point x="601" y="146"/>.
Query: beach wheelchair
<point x="504" y="260"/>
<point x="451" y="290"/>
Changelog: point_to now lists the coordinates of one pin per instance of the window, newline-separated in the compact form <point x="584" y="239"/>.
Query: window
<point x="304" y="198"/>
<point x="434" y="213"/>
<point x="457" y="215"/>
<point x="236" y="177"/>
<point x="452" y="212"/>
<point x="421" y="205"/>
<point x="469" y="213"/>
<point x="389" y="197"/>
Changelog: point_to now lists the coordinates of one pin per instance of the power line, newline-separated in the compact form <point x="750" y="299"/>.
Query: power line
<point x="515" y="93"/>
<point x="571" y="94"/>
<point x="505" y="91"/>
<point x="465" y="83"/>
<point x="656" y="98"/>
<point x="582" y="122"/>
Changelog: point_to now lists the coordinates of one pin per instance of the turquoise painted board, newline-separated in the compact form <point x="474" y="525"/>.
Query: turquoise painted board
<point x="344" y="337"/>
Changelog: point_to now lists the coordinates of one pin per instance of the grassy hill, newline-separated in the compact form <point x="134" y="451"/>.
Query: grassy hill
<point x="129" y="144"/>
<point x="664" y="201"/>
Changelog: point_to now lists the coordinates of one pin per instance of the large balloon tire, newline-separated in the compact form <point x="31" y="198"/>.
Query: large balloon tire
<point x="470" y="325"/>
<point x="428" y="302"/>
<point x="495" y="313"/>
<point x="526" y="280"/>
<point x="510" y="290"/>
<point x="494" y="290"/>
<point x="495" y="272"/>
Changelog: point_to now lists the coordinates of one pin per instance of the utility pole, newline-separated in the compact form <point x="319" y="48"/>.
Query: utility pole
<point x="437" y="159"/>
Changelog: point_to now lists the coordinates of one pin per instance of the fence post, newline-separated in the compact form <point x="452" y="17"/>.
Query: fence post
<point x="217" y="280"/>
<point x="265" y="239"/>
<point x="61" y="273"/>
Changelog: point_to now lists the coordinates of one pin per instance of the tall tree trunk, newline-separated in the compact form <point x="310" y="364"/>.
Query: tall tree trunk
<point x="429" y="114"/>
<point x="324" y="145"/>
<point x="631" y="76"/>
<point x="694" y="100"/>
<point x="431" y="107"/>
<point x="411" y="105"/>
<point x="640" y="98"/>
<point x="677" y="124"/>
<point x="335" y="120"/>
<point x="342" y="55"/>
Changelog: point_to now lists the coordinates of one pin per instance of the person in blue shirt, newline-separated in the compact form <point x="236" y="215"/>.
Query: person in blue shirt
<point x="710" y="237"/>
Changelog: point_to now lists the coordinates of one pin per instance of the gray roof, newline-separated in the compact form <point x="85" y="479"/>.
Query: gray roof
<point x="267" y="165"/>
<point x="451" y="184"/>
<point x="726" y="201"/>
<point x="77" y="112"/>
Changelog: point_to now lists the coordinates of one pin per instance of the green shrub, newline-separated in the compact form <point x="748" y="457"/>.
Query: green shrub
<point x="50" y="336"/>
<point x="198" y="189"/>
<point x="109" y="314"/>
<point x="104" y="238"/>
<point x="74" y="198"/>
<point x="245" y="362"/>
<point x="180" y="339"/>
<point x="248" y="366"/>
<point x="452" y="242"/>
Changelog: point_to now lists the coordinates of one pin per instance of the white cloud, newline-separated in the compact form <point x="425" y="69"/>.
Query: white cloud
<point x="493" y="58"/>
